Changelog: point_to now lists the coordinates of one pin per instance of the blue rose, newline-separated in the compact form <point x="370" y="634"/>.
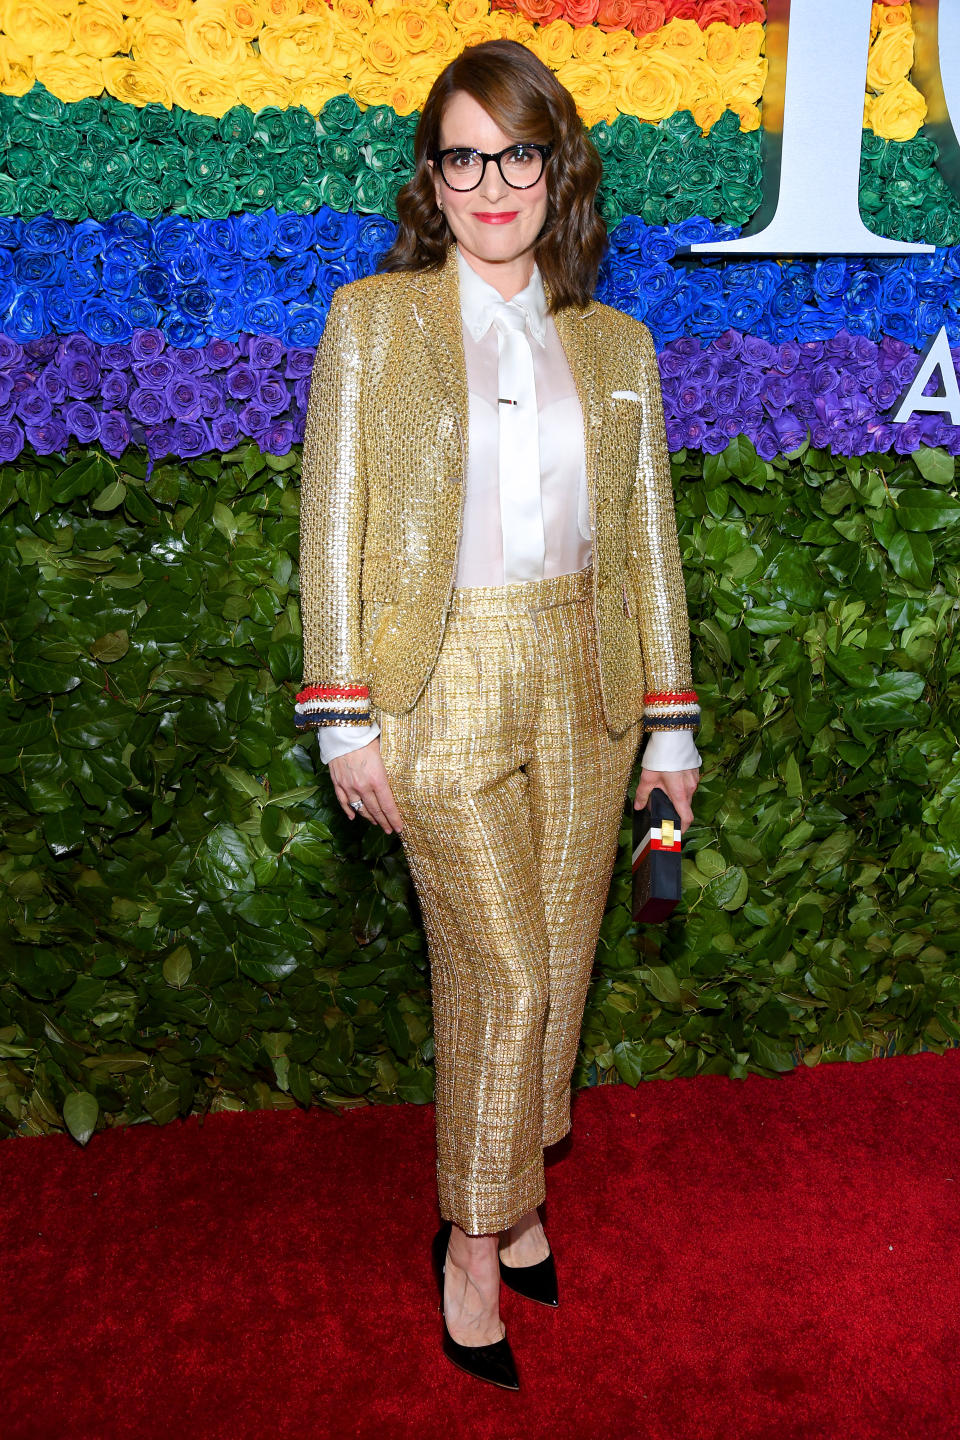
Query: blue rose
<point x="44" y="234"/>
<point x="105" y="322"/>
<point x="224" y="274"/>
<point x="255" y="234"/>
<point x="39" y="268"/>
<point x="220" y="237"/>
<point x="185" y="333"/>
<point x="330" y="278"/>
<point x="294" y="278"/>
<point x="227" y="315"/>
<point x="375" y="234"/>
<point x="257" y="281"/>
<point x="142" y="314"/>
<point x="294" y="234"/>
<point x="27" y="319"/>
<point x="303" y="328"/>
<point x="263" y="317"/>
<point x="334" y="234"/>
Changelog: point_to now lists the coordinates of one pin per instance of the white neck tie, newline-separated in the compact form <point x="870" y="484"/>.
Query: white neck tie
<point x="521" y="511"/>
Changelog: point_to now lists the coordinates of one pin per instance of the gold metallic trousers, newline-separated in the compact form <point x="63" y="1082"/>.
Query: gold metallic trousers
<point x="511" y="790"/>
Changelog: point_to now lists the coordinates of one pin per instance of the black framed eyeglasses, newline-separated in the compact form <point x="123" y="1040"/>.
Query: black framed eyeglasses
<point x="520" y="165"/>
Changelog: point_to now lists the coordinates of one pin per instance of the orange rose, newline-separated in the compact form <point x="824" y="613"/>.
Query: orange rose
<point x="581" y="12"/>
<point x="355" y="14"/>
<point x="467" y="12"/>
<point x="135" y="82"/>
<point x="292" y="50"/>
<point x="540" y="12"/>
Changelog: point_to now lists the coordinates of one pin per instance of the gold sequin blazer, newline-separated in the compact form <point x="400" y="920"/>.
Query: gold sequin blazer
<point x="384" y="461"/>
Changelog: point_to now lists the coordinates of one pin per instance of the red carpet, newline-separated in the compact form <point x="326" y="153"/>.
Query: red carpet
<point x="745" y="1260"/>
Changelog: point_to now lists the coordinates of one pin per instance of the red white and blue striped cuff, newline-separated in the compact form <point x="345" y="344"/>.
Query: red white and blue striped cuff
<point x="319" y="705"/>
<point x="671" y="710"/>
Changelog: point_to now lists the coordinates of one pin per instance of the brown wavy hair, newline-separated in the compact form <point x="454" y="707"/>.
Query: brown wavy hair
<point x="526" y="100"/>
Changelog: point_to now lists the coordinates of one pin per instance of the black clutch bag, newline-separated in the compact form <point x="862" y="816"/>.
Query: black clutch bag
<point x="656" y="859"/>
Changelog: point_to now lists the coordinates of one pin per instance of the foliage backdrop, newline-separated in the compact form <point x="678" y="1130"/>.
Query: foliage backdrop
<point x="187" y="920"/>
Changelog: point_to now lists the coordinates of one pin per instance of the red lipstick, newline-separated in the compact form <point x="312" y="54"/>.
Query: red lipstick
<point x="495" y="217"/>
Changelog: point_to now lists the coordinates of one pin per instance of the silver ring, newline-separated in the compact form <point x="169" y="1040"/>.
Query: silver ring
<point x="356" y="805"/>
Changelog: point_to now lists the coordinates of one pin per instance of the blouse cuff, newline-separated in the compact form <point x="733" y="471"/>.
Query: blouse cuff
<point x="336" y="740"/>
<point x="671" y="750"/>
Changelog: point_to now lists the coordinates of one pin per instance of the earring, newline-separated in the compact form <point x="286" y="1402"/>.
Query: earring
<point x="439" y="204"/>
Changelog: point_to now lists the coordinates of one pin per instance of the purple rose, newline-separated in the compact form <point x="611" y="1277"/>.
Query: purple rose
<point x="33" y="407"/>
<point x="149" y="406"/>
<point x="115" y="357"/>
<point x="254" y="419"/>
<point x="114" y="432"/>
<point x="299" y="362"/>
<point x="156" y="374"/>
<point x="10" y="352"/>
<point x="48" y="438"/>
<point x="265" y="352"/>
<point x="241" y="381"/>
<point x="147" y="344"/>
<point x="11" y="440"/>
<point x="114" y="389"/>
<point x="82" y="376"/>
<point x="272" y="394"/>
<point x="191" y="437"/>
<point x="279" y="438"/>
<point x="82" y="421"/>
<point x="226" y="431"/>
<point x="219" y="354"/>
<point x="184" y="399"/>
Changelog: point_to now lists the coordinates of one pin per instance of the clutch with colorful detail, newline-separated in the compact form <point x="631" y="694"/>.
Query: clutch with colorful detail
<point x="656" y="859"/>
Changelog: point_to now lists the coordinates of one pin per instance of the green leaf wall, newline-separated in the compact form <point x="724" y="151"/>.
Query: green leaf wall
<point x="190" y="923"/>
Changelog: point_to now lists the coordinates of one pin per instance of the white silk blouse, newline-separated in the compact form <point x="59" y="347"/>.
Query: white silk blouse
<point x="563" y="544"/>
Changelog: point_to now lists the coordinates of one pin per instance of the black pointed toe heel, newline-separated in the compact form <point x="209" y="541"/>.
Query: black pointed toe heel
<point x="534" y="1282"/>
<point x="493" y="1363"/>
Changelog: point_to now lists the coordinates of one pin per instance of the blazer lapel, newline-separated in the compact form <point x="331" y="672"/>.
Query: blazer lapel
<point x="436" y="311"/>
<point x="583" y="360"/>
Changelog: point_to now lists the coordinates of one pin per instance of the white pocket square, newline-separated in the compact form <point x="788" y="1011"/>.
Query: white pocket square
<point x="624" y="395"/>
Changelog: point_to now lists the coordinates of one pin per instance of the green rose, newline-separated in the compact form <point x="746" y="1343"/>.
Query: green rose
<point x="238" y="161"/>
<point x="101" y="201"/>
<point x="117" y="167"/>
<point x="173" y="190"/>
<point x="157" y="122"/>
<point x="84" y="114"/>
<point x="62" y="141"/>
<point x="22" y="162"/>
<point x="9" y="201"/>
<point x="271" y="129"/>
<point x="213" y="201"/>
<point x="301" y="126"/>
<point x="147" y="162"/>
<point x="40" y="106"/>
<point x="681" y="128"/>
<point x="124" y="120"/>
<point x="144" y="199"/>
<point x="604" y="139"/>
<point x="204" y="164"/>
<point x="380" y="122"/>
<point x="374" y="192"/>
<point x="236" y="126"/>
<point x="340" y="116"/>
<point x="338" y="153"/>
<point x="336" y="191"/>
<point x="258" y="192"/>
<point x="740" y="203"/>
<point x="288" y="169"/>
<point x="100" y="140"/>
<point x="941" y="223"/>
<point x="632" y="137"/>
<point x="303" y="199"/>
<point x="22" y="131"/>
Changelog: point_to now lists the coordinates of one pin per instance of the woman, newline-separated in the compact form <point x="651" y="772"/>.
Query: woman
<point x="493" y="613"/>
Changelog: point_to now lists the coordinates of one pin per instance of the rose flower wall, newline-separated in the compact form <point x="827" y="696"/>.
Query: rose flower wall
<point x="189" y="921"/>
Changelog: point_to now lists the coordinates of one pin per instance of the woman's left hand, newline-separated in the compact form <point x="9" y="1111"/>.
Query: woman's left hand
<point x="680" y="786"/>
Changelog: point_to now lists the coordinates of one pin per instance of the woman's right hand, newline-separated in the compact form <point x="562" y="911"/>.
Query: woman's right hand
<point x="360" y="775"/>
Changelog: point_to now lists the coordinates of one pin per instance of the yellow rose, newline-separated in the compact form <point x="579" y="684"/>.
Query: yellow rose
<point x="722" y="47"/>
<point x="243" y="18"/>
<point x="99" y="29"/>
<point x="416" y="29"/>
<point x="390" y="7"/>
<point x="36" y="27"/>
<point x="746" y="83"/>
<point x="16" y="69"/>
<point x="749" y="114"/>
<point x="291" y="51"/>
<point x="370" y="87"/>
<point x="620" y="46"/>
<point x="257" y="87"/>
<point x="411" y="87"/>
<point x="704" y="97"/>
<point x="323" y="84"/>
<point x="383" y="49"/>
<point x="446" y="40"/>
<point x="589" y="43"/>
<point x="890" y="58"/>
<point x="346" y="50"/>
<point x="352" y="14"/>
<point x="511" y="25"/>
<point x="210" y="43"/>
<point x="135" y="82"/>
<point x="653" y="88"/>
<point x="169" y="9"/>
<point x="681" y="40"/>
<point x="279" y="12"/>
<point x="468" y="12"/>
<point x="882" y="16"/>
<point x="158" y="41"/>
<point x="590" y="85"/>
<point x="205" y="91"/>
<point x="70" y="77"/>
<point x="553" y="43"/>
<point x="474" y="32"/>
<point x="898" y="113"/>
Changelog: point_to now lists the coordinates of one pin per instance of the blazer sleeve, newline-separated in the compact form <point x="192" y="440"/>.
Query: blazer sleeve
<point x="333" y="512"/>
<point x="653" y="567"/>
